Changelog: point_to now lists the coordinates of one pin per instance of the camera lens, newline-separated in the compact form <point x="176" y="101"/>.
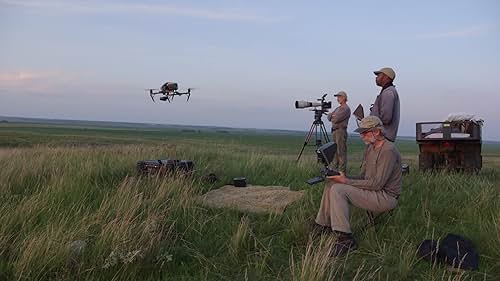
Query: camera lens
<point x="302" y="104"/>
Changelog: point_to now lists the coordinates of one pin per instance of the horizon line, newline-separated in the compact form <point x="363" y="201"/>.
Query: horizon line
<point x="180" y="125"/>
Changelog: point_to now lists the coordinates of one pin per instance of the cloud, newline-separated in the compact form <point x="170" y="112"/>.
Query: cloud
<point x="18" y="77"/>
<point x="466" y="32"/>
<point x="53" y="83"/>
<point x="25" y="81"/>
<point x="236" y="15"/>
<point x="29" y="81"/>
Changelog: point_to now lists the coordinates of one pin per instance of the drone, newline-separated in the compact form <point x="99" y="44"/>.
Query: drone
<point x="169" y="91"/>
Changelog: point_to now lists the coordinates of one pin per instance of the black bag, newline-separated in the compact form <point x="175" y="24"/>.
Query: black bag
<point x="428" y="250"/>
<point x="458" y="252"/>
<point x="163" y="167"/>
<point x="453" y="250"/>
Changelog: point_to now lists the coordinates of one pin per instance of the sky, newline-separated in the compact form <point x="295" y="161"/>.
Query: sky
<point x="248" y="60"/>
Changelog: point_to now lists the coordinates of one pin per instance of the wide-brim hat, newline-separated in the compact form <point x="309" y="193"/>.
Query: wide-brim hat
<point x="368" y="123"/>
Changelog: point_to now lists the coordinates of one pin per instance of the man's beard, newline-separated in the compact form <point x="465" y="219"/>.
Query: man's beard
<point x="372" y="140"/>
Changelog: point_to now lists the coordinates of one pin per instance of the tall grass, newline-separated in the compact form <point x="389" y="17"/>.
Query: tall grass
<point x="152" y="228"/>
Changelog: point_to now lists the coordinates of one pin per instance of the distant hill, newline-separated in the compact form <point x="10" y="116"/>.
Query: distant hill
<point x="104" y="124"/>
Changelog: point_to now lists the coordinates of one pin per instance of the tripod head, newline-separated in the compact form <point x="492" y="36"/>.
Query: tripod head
<point x="318" y="113"/>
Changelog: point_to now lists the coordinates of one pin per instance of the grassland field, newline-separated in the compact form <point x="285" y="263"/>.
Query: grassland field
<point x="73" y="208"/>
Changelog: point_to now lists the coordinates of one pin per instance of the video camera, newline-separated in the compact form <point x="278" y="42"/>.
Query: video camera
<point x="320" y="103"/>
<point x="326" y="153"/>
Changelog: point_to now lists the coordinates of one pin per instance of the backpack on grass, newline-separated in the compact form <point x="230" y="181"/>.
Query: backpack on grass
<point x="453" y="250"/>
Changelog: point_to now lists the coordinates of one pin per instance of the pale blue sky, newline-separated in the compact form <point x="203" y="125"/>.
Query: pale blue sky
<point x="250" y="60"/>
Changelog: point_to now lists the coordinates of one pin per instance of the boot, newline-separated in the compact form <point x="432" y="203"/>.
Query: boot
<point x="345" y="243"/>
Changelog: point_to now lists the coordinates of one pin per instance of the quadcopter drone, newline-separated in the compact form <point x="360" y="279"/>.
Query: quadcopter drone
<point x="168" y="90"/>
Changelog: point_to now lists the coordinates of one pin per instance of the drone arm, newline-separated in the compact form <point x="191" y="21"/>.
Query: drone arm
<point x="151" y="94"/>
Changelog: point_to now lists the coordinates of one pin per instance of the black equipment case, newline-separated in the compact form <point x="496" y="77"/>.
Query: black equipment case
<point x="166" y="166"/>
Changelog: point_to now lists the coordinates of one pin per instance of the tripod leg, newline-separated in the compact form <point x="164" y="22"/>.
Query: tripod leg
<point x="317" y="135"/>
<point x="306" y="140"/>
<point x="325" y="134"/>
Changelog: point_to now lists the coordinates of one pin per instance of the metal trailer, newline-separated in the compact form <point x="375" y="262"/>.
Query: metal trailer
<point x="449" y="146"/>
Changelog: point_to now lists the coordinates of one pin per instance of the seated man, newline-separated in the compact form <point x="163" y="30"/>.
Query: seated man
<point x="377" y="189"/>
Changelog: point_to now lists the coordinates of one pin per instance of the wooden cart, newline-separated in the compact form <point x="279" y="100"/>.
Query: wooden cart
<point x="450" y="146"/>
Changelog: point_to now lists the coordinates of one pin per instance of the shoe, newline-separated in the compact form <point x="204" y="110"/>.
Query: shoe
<point x="345" y="243"/>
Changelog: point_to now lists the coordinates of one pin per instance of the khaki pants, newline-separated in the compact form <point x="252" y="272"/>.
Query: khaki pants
<point x="334" y="208"/>
<point x="340" y="160"/>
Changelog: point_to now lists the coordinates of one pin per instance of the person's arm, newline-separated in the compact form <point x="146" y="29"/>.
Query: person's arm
<point x="362" y="173"/>
<point x="330" y="115"/>
<point x="341" y="113"/>
<point x="374" y="107"/>
<point x="386" y="107"/>
<point x="384" y="167"/>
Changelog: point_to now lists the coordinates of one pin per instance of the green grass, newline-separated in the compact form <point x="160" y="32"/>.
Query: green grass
<point x="62" y="184"/>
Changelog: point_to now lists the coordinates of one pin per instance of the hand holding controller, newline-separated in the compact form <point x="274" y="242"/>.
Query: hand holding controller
<point x="331" y="172"/>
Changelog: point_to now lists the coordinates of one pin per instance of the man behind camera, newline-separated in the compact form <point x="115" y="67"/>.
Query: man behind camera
<point x="340" y="119"/>
<point x="377" y="189"/>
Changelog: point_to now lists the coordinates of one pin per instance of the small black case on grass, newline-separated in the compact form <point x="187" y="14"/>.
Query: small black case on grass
<point x="240" y="182"/>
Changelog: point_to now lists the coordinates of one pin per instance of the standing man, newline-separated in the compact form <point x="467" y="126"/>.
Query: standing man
<point x="376" y="189"/>
<point x="386" y="105"/>
<point x="340" y="118"/>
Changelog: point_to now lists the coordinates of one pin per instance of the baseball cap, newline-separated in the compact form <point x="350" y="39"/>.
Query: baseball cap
<point x="387" y="71"/>
<point x="341" y="94"/>
<point x="368" y="123"/>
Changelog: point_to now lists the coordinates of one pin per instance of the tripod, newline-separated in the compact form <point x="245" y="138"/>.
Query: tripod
<point x="319" y="131"/>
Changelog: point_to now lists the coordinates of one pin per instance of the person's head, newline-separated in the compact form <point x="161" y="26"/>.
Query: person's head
<point x="370" y="130"/>
<point x="341" y="97"/>
<point x="384" y="76"/>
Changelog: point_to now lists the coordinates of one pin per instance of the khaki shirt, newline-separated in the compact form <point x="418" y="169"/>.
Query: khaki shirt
<point x="381" y="170"/>
<point x="386" y="107"/>
<point x="340" y="117"/>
